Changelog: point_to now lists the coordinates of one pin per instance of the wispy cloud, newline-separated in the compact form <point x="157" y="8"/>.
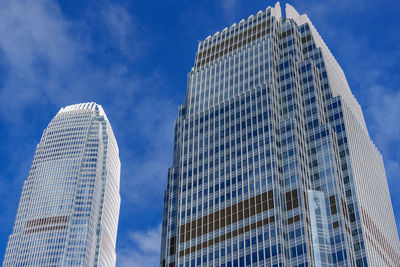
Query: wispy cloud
<point x="38" y="53"/>
<point x="141" y="249"/>
<point x="126" y="32"/>
<point x="48" y="59"/>
<point x="229" y="8"/>
<point x="148" y="123"/>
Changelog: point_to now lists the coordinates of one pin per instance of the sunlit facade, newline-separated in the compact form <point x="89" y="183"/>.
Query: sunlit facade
<point x="69" y="207"/>
<point x="273" y="164"/>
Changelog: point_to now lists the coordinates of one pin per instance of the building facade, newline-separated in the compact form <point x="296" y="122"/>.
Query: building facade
<point x="69" y="207"/>
<point x="273" y="164"/>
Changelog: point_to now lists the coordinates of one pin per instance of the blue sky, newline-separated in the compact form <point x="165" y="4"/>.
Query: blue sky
<point x="132" y="57"/>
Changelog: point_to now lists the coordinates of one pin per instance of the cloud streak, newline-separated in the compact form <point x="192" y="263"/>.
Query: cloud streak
<point x="38" y="52"/>
<point x="125" y="32"/>
<point x="142" y="249"/>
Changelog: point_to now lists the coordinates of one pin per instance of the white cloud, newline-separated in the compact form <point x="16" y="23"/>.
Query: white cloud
<point x="142" y="249"/>
<point x="44" y="62"/>
<point x="145" y="173"/>
<point x="47" y="57"/>
<point x="142" y="117"/>
<point x="32" y="31"/>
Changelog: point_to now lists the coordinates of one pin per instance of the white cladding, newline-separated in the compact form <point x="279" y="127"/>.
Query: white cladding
<point x="337" y="79"/>
<point x="370" y="181"/>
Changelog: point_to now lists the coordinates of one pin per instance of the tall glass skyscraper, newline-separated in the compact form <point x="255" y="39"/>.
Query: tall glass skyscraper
<point x="273" y="164"/>
<point x="69" y="207"/>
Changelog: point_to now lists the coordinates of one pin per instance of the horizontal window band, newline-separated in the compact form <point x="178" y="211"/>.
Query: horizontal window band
<point x="227" y="236"/>
<point x="46" y="221"/>
<point x="227" y="216"/>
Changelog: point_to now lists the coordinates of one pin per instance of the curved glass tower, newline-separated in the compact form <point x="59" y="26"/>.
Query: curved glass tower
<point x="273" y="164"/>
<point x="69" y="207"/>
